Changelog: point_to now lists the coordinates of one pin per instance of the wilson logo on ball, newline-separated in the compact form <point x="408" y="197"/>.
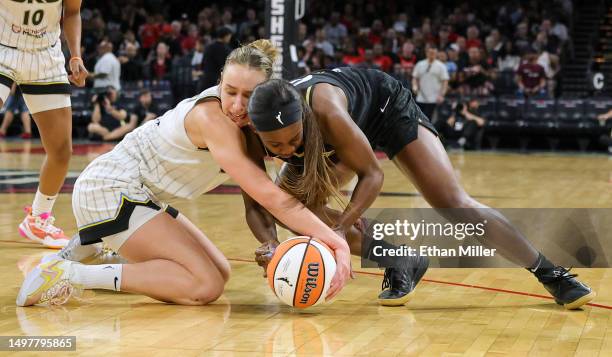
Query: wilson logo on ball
<point x="311" y="281"/>
<point x="300" y="271"/>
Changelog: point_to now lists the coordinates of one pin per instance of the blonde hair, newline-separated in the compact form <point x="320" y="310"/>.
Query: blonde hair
<point x="259" y="54"/>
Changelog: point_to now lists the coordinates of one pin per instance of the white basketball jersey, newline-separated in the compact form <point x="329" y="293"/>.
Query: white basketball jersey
<point x="30" y="24"/>
<point x="159" y="159"/>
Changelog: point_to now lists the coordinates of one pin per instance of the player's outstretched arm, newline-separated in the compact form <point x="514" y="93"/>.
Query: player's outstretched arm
<point x="227" y="146"/>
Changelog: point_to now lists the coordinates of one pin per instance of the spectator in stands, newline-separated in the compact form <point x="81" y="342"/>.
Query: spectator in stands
<point x="401" y="24"/>
<point x="560" y="30"/>
<point x="108" y="121"/>
<point x="214" y="57"/>
<point x="149" y="33"/>
<point x="131" y="64"/>
<point x="172" y="37"/>
<point x="530" y="77"/>
<point x="408" y="58"/>
<point x="508" y="59"/>
<point x="430" y="82"/>
<point x="197" y="56"/>
<point x="494" y="46"/>
<point x="382" y="60"/>
<point x="337" y="61"/>
<point x="451" y="66"/>
<point x="146" y="109"/>
<point x="402" y="75"/>
<point x="352" y="57"/>
<point x="453" y="69"/>
<point x="159" y="63"/>
<point x="464" y="125"/>
<point x="462" y="56"/>
<point x="473" y="38"/>
<point x="348" y="17"/>
<point x="605" y="140"/>
<point x="129" y="38"/>
<point x="249" y="26"/>
<point x="15" y="105"/>
<point x="226" y="21"/>
<point x="322" y="43"/>
<point x="521" y="38"/>
<point x="477" y="75"/>
<point x="335" y="31"/>
<point x="376" y="32"/>
<point x="188" y="42"/>
<point x="368" y="60"/>
<point x="444" y="38"/>
<point x="107" y="70"/>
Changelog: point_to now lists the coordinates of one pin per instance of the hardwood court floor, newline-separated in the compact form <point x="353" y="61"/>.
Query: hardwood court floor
<point x="453" y="312"/>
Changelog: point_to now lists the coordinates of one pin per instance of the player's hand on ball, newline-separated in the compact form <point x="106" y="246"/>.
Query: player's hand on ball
<point x="264" y="254"/>
<point x="78" y="72"/>
<point x="343" y="270"/>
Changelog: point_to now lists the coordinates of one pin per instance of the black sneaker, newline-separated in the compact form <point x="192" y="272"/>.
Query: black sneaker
<point x="566" y="290"/>
<point x="398" y="283"/>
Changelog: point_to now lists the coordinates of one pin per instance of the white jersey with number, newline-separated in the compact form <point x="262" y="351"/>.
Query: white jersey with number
<point x="30" y="24"/>
<point x="156" y="162"/>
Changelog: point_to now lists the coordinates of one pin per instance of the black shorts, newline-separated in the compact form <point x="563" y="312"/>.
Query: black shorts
<point x="401" y="121"/>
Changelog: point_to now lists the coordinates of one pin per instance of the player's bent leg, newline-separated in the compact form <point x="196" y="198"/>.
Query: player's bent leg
<point x="426" y="163"/>
<point x="213" y="252"/>
<point x="169" y="265"/>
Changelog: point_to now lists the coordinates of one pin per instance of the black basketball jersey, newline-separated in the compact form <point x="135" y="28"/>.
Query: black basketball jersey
<point x="370" y="94"/>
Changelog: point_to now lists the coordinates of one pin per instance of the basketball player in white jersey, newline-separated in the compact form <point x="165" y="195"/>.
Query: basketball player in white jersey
<point x="122" y="199"/>
<point x="31" y="56"/>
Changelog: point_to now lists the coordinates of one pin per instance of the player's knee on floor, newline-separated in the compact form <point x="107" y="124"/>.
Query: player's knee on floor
<point x="206" y="292"/>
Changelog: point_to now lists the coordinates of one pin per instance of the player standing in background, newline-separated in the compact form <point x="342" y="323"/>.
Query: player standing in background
<point x="31" y="56"/>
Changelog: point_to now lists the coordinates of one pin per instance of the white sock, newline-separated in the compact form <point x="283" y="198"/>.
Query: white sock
<point x="42" y="203"/>
<point x="101" y="276"/>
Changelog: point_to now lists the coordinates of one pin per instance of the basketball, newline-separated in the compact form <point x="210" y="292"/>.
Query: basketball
<point x="301" y="271"/>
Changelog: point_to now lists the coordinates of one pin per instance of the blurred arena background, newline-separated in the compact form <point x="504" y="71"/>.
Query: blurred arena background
<point x="176" y="50"/>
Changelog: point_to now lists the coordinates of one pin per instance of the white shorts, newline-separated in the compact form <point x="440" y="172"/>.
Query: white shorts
<point x="40" y="74"/>
<point x="110" y="204"/>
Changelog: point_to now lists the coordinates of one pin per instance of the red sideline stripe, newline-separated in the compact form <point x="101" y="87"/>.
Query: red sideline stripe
<point x="458" y="284"/>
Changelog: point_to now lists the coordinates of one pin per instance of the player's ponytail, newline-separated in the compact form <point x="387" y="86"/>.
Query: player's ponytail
<point x="259" y="54"/>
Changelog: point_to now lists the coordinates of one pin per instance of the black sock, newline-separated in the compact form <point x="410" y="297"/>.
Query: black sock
<point x="383" y="261"/>
<point x="542" y="264"/>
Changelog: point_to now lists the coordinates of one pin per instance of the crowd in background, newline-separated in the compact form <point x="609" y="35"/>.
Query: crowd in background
<point x="475" y="43"/>
<point x="475" y="48"/>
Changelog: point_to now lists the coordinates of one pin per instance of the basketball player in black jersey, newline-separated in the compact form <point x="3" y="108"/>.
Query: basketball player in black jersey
<point x="347" y="113"/>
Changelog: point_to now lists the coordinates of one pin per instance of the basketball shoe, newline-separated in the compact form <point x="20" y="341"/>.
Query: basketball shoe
<point x="400" y="282"/>
<point x="41" y="229"/>
<point x="563" y="286"/>
<point x="48" y="284"/>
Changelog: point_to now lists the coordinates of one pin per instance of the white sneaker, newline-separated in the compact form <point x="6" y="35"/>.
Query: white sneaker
<point x="48" y="284"/>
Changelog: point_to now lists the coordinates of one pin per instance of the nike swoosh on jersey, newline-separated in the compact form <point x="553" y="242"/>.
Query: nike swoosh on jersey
<point x="382" y="110"/>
